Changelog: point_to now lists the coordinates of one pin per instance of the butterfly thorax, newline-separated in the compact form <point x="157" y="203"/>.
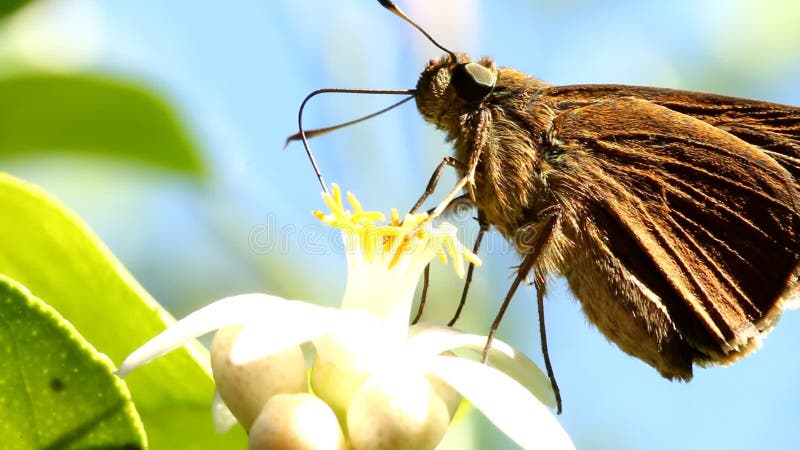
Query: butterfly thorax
<point x="507" y="126"/>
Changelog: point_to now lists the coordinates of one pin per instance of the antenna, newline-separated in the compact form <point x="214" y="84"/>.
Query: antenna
<point x="320" y="131"/>
<point x="388" y="4"/>
<point x="301" y="134"/>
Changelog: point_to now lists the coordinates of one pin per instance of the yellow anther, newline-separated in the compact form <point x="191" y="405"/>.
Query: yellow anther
<point x="458" y="260"/>
<point x="395" y="217"/>
<point x="397" y="238"/>
<point x="472" y="257"/>
<point x="368" y="217"/>
<point x="354" y="203"/>
<point x="442" y="256"/>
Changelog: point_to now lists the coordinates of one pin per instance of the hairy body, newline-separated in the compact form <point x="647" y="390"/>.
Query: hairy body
<point x="673" y="215"/>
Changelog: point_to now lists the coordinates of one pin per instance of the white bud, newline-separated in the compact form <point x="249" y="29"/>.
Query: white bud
<point x="450" y="397"/>
<point x="396" y="411"/>
<point x="245" y="388"/>
<point x="296" y="422"/>
<point x="335" y="382"/>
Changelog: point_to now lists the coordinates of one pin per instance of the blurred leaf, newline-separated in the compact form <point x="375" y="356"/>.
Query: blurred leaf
<point x="93" y="115"/>
<point x="56" y="391"/>
<point x="9" y="6"/>
<point x="48" y="249"/>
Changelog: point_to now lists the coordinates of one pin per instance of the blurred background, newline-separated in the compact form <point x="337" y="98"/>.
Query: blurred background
<point x="212" y="90"/>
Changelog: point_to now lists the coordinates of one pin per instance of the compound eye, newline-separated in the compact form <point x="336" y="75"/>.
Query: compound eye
<point x="472" y="81"/>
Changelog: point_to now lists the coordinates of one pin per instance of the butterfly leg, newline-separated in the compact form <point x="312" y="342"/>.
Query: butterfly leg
<point x="484" y="227"/>
<point x="447" y="161"/>
<point x="427" y="272"/>
<point x="539" y="243"/>
<point x="482" y="124"/>
<point x="426" y="279"/>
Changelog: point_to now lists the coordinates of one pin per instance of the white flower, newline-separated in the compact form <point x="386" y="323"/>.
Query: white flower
<point x="376" y="382"/>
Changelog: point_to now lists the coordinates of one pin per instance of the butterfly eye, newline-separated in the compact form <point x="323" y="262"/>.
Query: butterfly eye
<point x="472" y="81"/>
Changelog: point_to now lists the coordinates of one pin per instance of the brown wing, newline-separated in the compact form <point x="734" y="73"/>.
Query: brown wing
<point x="685" y="227"/>
<point x="773" y="127"/>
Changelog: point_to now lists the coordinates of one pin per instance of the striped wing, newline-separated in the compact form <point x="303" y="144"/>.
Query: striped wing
<point x="691" y="219"/>
<point x="772" y="127"/>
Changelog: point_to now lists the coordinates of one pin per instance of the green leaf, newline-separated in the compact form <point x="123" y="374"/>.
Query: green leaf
<point x="92" y="115"/>
<point x="48" y="249"/>
<point x="9" y="6"/>
<point x="56" y="391"/>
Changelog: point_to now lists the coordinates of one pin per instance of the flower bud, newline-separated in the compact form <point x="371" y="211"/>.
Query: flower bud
<point x="450" y="397"/>
<point x="245" y="388"/>
<point x="335" y="381"/>
<point x="296" y="422"/>
<point x="396" y="411"/>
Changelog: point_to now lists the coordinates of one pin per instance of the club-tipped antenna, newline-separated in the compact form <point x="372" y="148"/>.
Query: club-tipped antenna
<point x="388" y="4"/>
<point x="301" y="134"/>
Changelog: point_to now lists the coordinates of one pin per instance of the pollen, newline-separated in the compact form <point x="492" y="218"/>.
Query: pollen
<point x="397" y="239"/>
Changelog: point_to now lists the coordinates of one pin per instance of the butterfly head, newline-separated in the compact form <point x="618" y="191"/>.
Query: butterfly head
<point x="454" y="85"/>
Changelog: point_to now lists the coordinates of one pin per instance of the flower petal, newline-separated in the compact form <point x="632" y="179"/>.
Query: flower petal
<point x="222" y="313"/>
<point x="434" y="339"/>
<point x="286" y="324"/>
<point x="223" y="417"/>
<point x="505" y="403"/>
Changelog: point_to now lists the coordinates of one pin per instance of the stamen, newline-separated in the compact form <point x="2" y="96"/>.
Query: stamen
<point x="396" y="239"/>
